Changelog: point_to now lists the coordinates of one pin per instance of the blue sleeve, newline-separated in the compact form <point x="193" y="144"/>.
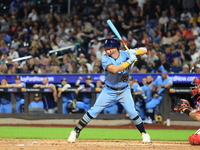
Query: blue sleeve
<point x="170" y="81"/>
<point x="105" y="61"/>
<point x="24" y="84"/>
<point x="12" y="5"/>
<point x="156" y="82"/>
<point x="92" y="85"/>
<point x="136" y="88"/>
<point x="30" y="105"/>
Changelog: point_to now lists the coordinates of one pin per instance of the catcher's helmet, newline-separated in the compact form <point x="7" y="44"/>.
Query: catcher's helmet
<point x="112" y="43"/>
<point x="196" y="83"/>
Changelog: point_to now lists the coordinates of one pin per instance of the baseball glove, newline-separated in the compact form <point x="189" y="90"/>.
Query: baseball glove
<point x="181" y="104"/>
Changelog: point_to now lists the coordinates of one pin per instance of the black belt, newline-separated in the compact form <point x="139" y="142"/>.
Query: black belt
<point x="118" y="89"/>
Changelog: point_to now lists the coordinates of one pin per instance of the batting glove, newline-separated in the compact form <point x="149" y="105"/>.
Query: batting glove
<point x="132" y="59"/>
<point x="131" y="52"/>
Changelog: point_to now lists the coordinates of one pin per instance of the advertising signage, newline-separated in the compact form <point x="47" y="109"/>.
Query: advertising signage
<point x="72" y="78"/>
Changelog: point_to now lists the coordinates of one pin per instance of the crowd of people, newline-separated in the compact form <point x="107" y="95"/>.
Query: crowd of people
<point x="169" y="31"/>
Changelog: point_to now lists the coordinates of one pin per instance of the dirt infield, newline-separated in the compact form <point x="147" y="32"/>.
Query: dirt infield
<point x="44" y="144"/>
<point x="58" y="144"/>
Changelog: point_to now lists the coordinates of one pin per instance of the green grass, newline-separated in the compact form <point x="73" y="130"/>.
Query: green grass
<point x="92" y="133"/>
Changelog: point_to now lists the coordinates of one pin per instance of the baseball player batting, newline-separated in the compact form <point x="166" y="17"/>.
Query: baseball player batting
<point x="117" y="65"/>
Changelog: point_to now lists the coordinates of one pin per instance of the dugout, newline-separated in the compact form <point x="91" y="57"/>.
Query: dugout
<point x="180" y="89"/>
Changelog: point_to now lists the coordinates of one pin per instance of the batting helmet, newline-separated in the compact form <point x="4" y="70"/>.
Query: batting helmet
<point x="112" y="43"/>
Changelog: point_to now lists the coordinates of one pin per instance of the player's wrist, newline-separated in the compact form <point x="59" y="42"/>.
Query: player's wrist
<point x="126" y="64"/>
<point x="187" y="111"/>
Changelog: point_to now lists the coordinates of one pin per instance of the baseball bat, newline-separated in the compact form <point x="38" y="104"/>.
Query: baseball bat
<point x="139" y="51"/>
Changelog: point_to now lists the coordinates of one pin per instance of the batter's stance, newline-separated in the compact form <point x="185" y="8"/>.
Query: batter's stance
<point x="117" y="64"/>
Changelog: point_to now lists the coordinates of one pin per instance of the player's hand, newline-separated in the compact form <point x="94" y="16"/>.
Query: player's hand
<point x="131" y="52"/>
<point x="182" y="104"/>
<point x="80" y="78"/>
<point x="132" y="58"/>
<point x="55" y="99"/>
<point x="140" y="51"/>
<point x="155" y="95"/>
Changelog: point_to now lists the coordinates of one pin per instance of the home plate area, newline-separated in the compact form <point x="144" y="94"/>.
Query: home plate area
<point x="54" y="144"/>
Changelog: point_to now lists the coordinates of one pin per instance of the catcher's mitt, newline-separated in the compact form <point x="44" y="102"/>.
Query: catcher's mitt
<point x="181" y="104"/>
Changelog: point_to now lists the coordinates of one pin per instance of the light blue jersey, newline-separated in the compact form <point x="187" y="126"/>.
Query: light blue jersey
<point x="136" y="87"/>
<point x="159" y="82"/>
<point x="36" y="104"/>
<point x="19" y="100"/>
<point x="120" y="79"/>
<point x="87" y="98"/>
<point x="147" y="90"/>
<point x="116" y="88"/>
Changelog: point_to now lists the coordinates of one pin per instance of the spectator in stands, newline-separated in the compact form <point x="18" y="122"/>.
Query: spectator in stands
<point x="25" y="69"/>
<point x="5" y="99"/>
<point x="188" y="34"/>
<point x="4" y="47"/>
<point x="168" y="52"/>
<point x="164" y="63"/>
<point x="25" y="35"/>
<point x="156" y="38"/>
<point x="36" y="106"/>
<point x="174" y="15"/>
<point x="65" y="64"/>
<point x="193" y="54"/>
<point x="16" y="6"/>
<point x="177" y="36"/>
<point x="86" y="102"/>
<point x="195" y="18"/>
<point x="163" y="19"/>
<point x="152" y="57"/>
<point x="31" y="64"/>
<point x="197" y="68"/>
<point x="195" y="27"/>
<point x="185" y="69"/>
<point x="100" y="53"/>
<point x="143" y="69"/>
<point x="9" y="63"/>
<point x="28" y="5"/>
<point x="96" y="44"/>
<point x="185" y="16"/>
<point x="15" y="43"/>
<point x="66" y="97"/>
<point x="84" y="65"/>
<point x="168" y="39"/>
<point x="197" y="40"/>
<point x="189" y="5"/>
<point x="34" y="52"/>
<point x="13" y="54"/>
<point x="152" y="15"/>
<point x="176" y="66"/>
<point x="49" y="99"/>
<point x="74" y="66"/>
<point x="33" y="15"/>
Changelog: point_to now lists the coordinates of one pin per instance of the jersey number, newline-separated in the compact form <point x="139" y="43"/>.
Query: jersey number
<point x="125" y="78"/>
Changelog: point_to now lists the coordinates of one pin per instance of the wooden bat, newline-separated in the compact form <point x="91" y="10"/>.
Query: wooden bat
<point x="139" y="51"/>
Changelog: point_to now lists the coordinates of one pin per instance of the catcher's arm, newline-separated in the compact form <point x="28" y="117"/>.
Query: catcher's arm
<point x="184" y="106"/>
<point x="192" y="115"/>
